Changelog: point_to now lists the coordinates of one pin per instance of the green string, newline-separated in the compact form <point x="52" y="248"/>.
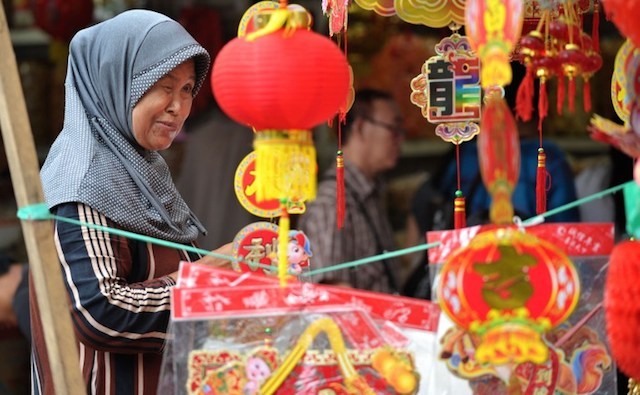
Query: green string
<point x="370" y="259"/>
<point x="539" y="218"/>
<point x="40" y="211"/>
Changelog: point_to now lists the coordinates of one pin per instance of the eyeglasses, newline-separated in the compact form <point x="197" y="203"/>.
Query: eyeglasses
<point x="396" y="130"/>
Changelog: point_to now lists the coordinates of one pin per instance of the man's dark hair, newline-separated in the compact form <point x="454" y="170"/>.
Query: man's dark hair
<point x="363" y="107"/>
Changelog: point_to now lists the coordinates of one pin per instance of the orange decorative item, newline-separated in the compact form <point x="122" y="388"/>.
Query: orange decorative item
<point x="508" y="287"/>
<point x="500" y="160"/>
<point x="493" y="28"/>
<point x="621" y="307"/>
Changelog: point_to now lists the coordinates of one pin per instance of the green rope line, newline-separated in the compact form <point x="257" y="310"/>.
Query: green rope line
<point x="40" y="211"/>
<point x="370" y="259"/>
<point x="540" y="218"/>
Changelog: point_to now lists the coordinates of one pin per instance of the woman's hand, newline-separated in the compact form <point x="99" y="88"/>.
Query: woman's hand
<point x="209" y="260"/>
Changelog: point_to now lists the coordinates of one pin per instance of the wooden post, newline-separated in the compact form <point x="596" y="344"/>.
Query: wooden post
<point x="62" y="347"/>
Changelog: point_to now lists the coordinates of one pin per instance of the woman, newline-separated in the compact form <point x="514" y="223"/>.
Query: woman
<point x="129" y="88"/>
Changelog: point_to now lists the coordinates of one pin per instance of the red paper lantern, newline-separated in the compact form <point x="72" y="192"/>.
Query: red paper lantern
<point x="62" y="18"/>
<point x="509" y="287"/>
<point x="621" y="306"/>
<point x="281" y="81"/>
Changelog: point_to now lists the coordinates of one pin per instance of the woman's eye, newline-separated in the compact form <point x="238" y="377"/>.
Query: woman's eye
<point x="188" y="89"/>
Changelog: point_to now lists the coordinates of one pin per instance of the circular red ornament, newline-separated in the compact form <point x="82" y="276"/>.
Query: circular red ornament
<point x="532" y="45"/>
<point x="62" y="18"/>
<point x="283" y="80"/>
<point x="621" y="306"/>
<point x="506" y="270"/>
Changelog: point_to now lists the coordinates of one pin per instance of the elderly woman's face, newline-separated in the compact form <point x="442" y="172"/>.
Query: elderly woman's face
<point x="159" y="115"/>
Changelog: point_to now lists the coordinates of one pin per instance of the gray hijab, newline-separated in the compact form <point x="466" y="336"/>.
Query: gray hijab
<point x="95" y="160"/>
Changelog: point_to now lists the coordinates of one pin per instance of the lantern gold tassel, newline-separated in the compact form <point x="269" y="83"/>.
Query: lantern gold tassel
<point x="283" y="242"/>
<point x="285" y="165"/>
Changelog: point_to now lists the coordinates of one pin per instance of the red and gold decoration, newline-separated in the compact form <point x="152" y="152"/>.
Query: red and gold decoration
<point x="508" y="287"/>
<point x="282" y="79"/>
<point x="500" y="159"/>
<point x="255" y="247"/>
<point x="448" y="93"/>
<point x="621" y="307"/>
<point x="302" y="338"/>
<point x="493" y="28"/>
<point x="245" y="187"/>
<point x="556" y="47"/>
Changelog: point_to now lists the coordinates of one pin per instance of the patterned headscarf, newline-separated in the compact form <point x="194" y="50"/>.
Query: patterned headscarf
<point x="95" y="160"/>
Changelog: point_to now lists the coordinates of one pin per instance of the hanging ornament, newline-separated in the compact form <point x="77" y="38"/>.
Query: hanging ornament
<point x="621" y="307"/>
<point x="434" y="13"/>
<point x="449" y="95"/>
<point x="281" y="79"/>
<point x="508" y="287"/>
<point x="338" y="13"/>
<point x="500" y="158"/>
<point x="493" y="28"/>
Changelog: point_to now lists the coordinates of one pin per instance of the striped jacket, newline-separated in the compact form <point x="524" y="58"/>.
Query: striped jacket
<point x="119" y="299"/>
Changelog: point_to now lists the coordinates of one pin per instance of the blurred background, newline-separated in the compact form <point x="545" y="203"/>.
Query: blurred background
<point x="384" y="52"/>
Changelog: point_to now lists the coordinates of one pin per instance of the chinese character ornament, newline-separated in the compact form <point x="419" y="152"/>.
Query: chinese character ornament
<point x="449" y="95"/>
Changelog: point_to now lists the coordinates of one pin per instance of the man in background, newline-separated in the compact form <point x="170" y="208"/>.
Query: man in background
<point x="373" y="133"/>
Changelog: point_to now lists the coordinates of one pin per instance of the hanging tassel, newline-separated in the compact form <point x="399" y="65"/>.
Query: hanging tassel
<point x="543" y="103"/>
<point x="586" y="95"/>
<point x="572" y="93"/>
<point x="459" y="211"/>
<point x="524" y="97"/>
<point x="595" y="27"/>
<point x="560" y="97"/>
<point x="541" y="181"/>
<point x="340" y="202"/>
<point x="283" y="243"/>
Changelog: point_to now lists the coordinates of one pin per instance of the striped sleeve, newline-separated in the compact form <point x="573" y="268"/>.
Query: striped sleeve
<point x="111" y="311"/>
